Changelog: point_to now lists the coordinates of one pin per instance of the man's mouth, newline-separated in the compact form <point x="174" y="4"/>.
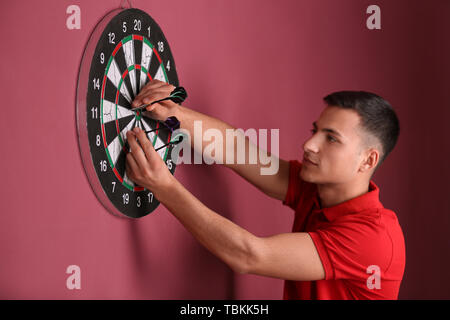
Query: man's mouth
<point x="307" y="160"/>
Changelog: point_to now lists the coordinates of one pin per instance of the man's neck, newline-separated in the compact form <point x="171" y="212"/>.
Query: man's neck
<point x="334" y="194"/>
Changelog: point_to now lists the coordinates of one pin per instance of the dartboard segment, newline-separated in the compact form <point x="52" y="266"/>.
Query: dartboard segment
<point x="126" y="50"/>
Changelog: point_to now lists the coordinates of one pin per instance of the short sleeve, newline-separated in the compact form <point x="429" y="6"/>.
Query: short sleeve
<point x="349" y="247"/>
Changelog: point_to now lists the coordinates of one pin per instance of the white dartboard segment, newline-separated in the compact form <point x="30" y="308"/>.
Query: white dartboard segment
<point x="143" y="79"/>
<point x="123" y="112"/>
<point x="129" y="127"/>
<point x="109" y="111"/>
<point x="147" y="127"/>
<point x="147" y="54"/>
<point x="115" y="76"/>
<point x="160" y="74"/>
<point x="114" y="149"/>
<point x="128" y="49"/>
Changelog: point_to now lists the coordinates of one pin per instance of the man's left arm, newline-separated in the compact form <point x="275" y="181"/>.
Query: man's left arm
<point x="291" y="256"/>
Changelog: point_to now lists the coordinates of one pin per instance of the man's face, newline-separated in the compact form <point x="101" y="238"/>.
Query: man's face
<point x="333" y="154"/>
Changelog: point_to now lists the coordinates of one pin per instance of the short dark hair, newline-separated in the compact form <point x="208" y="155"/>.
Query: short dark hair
<point x="377" y="116"/>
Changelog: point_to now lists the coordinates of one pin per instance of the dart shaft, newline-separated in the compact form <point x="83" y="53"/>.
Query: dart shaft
<point x="161" y="128"/>
<point x="171" y="142"/>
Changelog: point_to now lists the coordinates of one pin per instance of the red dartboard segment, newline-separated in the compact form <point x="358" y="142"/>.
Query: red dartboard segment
<point x="157" y="55"/>
<point x="118" y="175"/>
<point x="117" y="48"/>
<point x="104" y="136"/>
<point x="117" y="127"/>
<point x="137" y="37"/>
<point x="157" y="128"/>
<point x="117" y="96"/>
<point x="103" y="87"/>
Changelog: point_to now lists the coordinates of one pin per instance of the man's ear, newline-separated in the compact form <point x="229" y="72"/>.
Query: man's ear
<point x="370" y="161"/>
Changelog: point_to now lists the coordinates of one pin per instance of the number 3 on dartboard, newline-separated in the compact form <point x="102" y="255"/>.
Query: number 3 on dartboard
<point x="138" y="202"/>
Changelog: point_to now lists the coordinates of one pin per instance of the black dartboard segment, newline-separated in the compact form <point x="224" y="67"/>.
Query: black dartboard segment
<point x="126" y="50"/>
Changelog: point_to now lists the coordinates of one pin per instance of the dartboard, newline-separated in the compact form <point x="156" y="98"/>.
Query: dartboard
<point x="126" y="50"/>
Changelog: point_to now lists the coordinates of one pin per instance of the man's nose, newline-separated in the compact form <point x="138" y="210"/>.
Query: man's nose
<point x="311" y="145"/>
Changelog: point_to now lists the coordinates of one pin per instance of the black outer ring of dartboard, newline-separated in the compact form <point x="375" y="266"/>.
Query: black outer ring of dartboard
<point x="88" y="128"/>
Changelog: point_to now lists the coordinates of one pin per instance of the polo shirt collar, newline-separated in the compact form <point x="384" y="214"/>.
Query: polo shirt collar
<point x="368" y="201"/>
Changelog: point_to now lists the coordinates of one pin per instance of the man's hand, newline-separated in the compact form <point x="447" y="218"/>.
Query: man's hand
<point x="153" y="91"/>
<point x="144" y="166"/>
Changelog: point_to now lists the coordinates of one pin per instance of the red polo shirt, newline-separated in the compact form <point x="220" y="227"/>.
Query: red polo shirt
<point x="360" y="244"/>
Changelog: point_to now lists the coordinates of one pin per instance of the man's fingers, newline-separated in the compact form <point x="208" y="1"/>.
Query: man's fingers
<point x="151" y="108"/>
<point x="154" y="84"/>
<point x="132" y="167"/>
<point x="154" y="90"/>
<point x="158" y="85"/>
<point x="146" y="144"/>
<point x="138" y="153"/>
<point x="147" y="98"/>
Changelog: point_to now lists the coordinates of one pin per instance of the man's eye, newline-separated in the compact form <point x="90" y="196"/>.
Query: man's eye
<point x="331" y="139"/>
<point x="313" y="131"/>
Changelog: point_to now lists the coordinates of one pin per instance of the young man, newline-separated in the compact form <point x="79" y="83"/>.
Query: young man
<point x="344" y="244"/>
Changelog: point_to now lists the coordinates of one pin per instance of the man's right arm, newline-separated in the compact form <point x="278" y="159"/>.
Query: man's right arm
<point x="274" y="185"/>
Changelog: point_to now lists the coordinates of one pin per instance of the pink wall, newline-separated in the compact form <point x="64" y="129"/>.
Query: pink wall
<point x="258" y="64"/>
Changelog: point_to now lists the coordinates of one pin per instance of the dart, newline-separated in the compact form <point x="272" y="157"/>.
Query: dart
<point x="174" y="142"/>
<point x="178" y="95"/>
<point x="171" y="124"/>
<point x="171" y="142"/>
